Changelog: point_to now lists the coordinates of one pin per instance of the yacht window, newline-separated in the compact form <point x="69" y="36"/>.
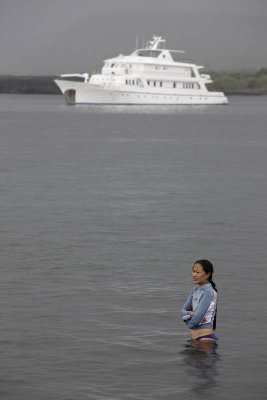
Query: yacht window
<point x="149" y="53"/>
<point x="112" y="65"/>
<point x="148" y="82"/>
<point x="160" y="84"/>
<point x="155" y="83"/>
<point x="174" y="84"/>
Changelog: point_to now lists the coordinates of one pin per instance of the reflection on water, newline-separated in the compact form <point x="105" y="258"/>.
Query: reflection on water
<point x="56" y="104"/>
<point x="143" y="109"/>
<point x="200" y="359"/>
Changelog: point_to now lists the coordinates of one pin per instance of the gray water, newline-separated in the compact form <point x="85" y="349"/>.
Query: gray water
<point x="103" y="212"/>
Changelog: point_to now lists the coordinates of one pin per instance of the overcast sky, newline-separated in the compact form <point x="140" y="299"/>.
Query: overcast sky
<point x="62" y="36"/>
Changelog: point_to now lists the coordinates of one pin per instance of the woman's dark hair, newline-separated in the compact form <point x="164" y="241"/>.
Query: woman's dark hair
<point x="208" y="268"/>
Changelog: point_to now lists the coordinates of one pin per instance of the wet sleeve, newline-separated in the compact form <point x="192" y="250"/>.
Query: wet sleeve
<point x="187" y="307"/>
<point x="201" y="310"/>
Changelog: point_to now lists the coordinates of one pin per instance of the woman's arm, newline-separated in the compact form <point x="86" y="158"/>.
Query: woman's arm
<point x="187" y="307"/>
<point x="201" y="310"/>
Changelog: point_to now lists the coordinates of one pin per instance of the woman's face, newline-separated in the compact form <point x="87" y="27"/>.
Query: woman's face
<point x="200" y="277"/>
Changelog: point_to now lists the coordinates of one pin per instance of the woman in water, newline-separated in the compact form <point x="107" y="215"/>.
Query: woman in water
<point x="199" y="310"/>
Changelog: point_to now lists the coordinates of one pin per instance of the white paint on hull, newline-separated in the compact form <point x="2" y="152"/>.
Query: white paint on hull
<point x="85" y="94"/>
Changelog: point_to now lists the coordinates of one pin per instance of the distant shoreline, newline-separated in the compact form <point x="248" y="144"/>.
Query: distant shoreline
<point x="12" y="84"/>
<point x="235" y="83"/>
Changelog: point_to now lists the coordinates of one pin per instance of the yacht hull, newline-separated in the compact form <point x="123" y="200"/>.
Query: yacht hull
<point x="85" y="93"/>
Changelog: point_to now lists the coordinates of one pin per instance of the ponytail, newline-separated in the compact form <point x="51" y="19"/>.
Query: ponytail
<point x="213" y="284"/>
<point x="214" y="319"/>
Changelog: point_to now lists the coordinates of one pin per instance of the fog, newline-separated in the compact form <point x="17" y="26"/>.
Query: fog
<point x="60" y="36"/>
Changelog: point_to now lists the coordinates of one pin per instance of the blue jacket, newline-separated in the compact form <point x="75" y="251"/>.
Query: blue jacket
<point x="202" y="300"/>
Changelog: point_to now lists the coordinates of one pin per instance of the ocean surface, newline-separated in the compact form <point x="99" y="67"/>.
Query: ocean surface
<point x="103" y="212"/>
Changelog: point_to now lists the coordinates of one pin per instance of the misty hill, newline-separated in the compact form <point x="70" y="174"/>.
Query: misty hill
<point x="240" y="82"/>
<point x="227" y="82"/>
<point x="28" y="84"/>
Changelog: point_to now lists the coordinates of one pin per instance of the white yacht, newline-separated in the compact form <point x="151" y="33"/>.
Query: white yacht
<point x="151" y="75"/>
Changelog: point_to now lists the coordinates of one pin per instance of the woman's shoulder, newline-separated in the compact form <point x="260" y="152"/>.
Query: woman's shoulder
<point x="208" y="289"/>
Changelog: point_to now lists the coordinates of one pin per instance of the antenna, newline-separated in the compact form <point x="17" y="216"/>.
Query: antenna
<point x="143" y="45"/>
<point x="136" y="42"/>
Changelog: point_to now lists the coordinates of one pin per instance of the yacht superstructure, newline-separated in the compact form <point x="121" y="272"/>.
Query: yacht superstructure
<point x="150" y="75"/>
